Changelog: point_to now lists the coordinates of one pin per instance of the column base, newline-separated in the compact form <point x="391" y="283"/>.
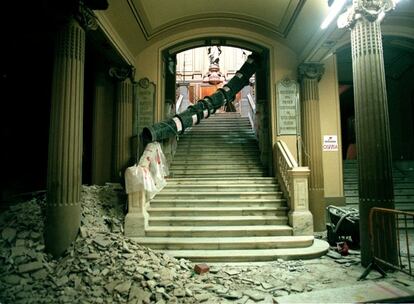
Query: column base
<point x="61" y="227"/>
<point x="301" y="222"/>
<point x="317" y="207"/>
<point x="135" y="225"/>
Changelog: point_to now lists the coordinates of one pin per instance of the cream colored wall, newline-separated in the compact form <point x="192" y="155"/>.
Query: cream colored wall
<point x="286" y="67"/>
<point x="283" y="63"/>
<point x="330" y="119"/>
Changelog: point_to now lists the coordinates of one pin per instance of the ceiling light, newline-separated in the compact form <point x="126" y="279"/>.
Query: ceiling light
<point x="333" y="12"/>
<point x="381" y="16"/>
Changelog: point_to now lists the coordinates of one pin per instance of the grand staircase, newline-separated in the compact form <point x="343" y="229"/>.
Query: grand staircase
<point x="219" y="204"/>
<point x="403" y="180"/>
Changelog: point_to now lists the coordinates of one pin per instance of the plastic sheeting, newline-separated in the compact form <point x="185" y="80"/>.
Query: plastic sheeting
<point x="149" y="174"/>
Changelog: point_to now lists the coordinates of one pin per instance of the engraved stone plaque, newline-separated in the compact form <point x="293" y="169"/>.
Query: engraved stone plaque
<point x="146" y="103"/>
<point x="288" y="115"/>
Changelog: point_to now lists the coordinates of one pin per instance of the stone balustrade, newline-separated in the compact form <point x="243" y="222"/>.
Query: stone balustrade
<point x="293" y="181"/>
<point x="142" y="182"/>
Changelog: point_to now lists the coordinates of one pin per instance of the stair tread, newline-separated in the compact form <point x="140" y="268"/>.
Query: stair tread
<point x="235" y="179"/>
<point x="207" y="200"/>
<point x="217" y="218"/>
<point x="219" y="228"/>
<point x="317" y="249"/>
<point x="214" y="208"/>
<point x="220" y="193"/>
<point x="215" y="239"/>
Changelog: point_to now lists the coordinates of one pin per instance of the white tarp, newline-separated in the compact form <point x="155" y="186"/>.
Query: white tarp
<point x="149" y="174"/>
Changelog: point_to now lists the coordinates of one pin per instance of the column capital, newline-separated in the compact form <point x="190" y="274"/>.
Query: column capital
<point x="121" y="74"/>
<point x="86" y="17"/>
<point x="370" y="10"/>
<point x="311" y="71"/>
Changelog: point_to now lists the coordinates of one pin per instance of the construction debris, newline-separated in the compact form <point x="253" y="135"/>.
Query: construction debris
<point x="103" y="266"/>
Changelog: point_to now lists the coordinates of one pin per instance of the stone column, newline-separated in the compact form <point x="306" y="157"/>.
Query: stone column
<point x="310" y="74"/>
<point x="371" y="118"/>
<point x="123" y="123"/>
<point x="66" y="135"/>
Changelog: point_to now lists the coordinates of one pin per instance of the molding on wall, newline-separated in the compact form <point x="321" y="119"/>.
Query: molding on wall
<point x="114" y="38"/>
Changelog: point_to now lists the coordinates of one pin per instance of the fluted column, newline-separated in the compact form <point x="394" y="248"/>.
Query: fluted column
<point x="123" y="124"/>
<point x="310" y="74"/>
<point x="66" y="135"/>
<point x="371" y="117"/>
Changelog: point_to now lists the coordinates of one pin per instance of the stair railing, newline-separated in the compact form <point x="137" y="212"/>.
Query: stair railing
<point x="293" y="181"/>
<point x="252" y="111"/>
<point x="142" y="182"/>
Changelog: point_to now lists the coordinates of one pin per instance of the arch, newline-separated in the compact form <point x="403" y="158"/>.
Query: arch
<point x="215" y="40"/>
<point x="263" y="87"/>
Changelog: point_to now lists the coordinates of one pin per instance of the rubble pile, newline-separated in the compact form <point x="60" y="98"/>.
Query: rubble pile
<point x="102" y="266"/>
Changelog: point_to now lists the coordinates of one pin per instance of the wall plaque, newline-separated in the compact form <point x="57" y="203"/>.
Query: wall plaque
<point x="146" y="103"/>
<point x="288" y="112"/>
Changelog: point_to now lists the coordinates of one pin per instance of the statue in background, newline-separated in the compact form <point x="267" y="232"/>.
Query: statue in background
<point x="214" y="54"/>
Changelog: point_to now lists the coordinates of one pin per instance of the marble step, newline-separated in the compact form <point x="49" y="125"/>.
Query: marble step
<point x="317" y="249"/>
<point x="226" y="161"/>
<point x="209" y="202"/>
<point x="222" y="231"/>
<point x="217" y="156"/>
<point x="217" y="211"/>
<point x="222" y="180"/>
<point x="218" y="137"/>
<point x="166" y="193"/>
<point x="220" y="188"/>
<point x="225" y="243"/>
<point x="195" y="144"/>
<point x="222" y="174"/>
<point x="216" y="221"/>
<point x="217" y="167"/>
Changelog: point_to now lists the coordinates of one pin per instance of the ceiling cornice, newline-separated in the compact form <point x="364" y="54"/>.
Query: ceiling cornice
<point x="281" y="31"/>
<point x="114" y="38"/>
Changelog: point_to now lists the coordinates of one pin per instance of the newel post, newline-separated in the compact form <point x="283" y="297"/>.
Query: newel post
<point x="136" y="219"/>
<point x="300" y="218"/>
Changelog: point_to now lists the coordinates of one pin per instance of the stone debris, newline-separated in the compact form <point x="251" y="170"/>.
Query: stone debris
<point x="254" y="295"/>
<point x="201" y="268"/>
<point x="334" y="255"/>
<point x="8" y="234"/>
<point x="103" y="266"/>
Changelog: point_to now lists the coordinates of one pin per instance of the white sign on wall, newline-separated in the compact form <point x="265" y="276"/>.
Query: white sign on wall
<point x="330" y="143"/>
<point x="288" y="114"/>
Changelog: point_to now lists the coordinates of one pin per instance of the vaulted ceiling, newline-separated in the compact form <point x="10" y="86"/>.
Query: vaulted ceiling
<point x="273" y="17"/>
<point x="295" y="23"/>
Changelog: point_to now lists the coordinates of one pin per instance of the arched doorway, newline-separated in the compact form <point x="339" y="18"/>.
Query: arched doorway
<point x="262" y="84"/>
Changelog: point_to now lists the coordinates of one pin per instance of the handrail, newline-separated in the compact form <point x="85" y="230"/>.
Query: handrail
<point x="251" y="103"/>
<point x="285" y="163"/>
<point x="302" y="145"/>
<point x="178" y="103"/>
<point x="293" y="181"/>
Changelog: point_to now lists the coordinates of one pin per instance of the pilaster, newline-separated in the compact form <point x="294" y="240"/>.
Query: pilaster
<point x="102" y="128"/>
<point x="310" y="74"/>
<point x="123" y="123"/>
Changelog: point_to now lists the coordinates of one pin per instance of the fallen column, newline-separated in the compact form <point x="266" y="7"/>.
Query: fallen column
<point x="204" y="107"/>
